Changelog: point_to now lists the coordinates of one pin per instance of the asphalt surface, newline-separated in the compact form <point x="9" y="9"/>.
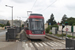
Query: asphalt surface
<point x="44" y="44"/>
<point x="11" y="46"/>
<point x="2" y="35"/>
<point x="31" y="46"/>
<point x="2" y="30"/>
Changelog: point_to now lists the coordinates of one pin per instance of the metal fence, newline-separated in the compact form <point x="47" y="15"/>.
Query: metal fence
<point x="13" y="32"/>
<point x="70" y="35"/>
<point x="70" y="44"/>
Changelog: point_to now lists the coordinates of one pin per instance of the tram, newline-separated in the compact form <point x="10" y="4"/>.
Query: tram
<point x="35" y="26"/>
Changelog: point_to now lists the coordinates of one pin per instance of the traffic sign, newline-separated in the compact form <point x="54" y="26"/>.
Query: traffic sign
<point x="66" y="23"/>
<point x="49" y="23"/>
<point x="67" y="29"/>
<point x="63" y="26"/>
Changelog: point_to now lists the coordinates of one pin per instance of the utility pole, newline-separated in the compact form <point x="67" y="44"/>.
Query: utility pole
<point x="11" y="12"/>
<point x="19" y="20"/>
<point x="66" y="23"/>
<point x="62" y="29"/>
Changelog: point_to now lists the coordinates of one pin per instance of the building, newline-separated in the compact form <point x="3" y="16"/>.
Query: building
<point x="17" y="23"/>
<point x="46" y="25"/>
<point x="3" y="21"/>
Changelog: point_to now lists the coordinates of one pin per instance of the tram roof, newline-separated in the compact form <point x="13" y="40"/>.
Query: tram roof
<point x="36" y="16"/>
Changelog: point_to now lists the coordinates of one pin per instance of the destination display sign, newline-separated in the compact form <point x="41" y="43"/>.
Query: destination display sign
<point x="36" y="19"/>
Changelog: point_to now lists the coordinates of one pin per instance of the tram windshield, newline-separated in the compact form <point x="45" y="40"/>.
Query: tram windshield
<point x="37" y="25"/>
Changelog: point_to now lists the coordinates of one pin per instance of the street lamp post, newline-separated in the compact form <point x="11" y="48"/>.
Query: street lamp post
<point x="29" y="12"/>
<point x="12" y="13"/>
<point x="19" y="20"/>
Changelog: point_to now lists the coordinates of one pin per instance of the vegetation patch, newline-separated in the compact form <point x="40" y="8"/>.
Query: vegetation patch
<point x="50" y="32"/>
<point x="60" y="35"/>
<point x="73" y="36"/>
<point x="69" y="36"/>
<point x="48" y="29"/>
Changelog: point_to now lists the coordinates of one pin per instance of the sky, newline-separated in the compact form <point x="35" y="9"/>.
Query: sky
<point x="44" y="7"/>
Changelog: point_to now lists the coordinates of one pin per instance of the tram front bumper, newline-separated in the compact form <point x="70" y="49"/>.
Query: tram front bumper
<point x="36" y="36"/>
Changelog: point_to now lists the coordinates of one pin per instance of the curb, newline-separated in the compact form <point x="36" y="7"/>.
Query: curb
<point x="55" y="37"/>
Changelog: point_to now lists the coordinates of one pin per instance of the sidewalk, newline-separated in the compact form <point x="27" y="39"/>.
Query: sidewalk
<point x="11" y="46"/>
<point x="2" y="30"/>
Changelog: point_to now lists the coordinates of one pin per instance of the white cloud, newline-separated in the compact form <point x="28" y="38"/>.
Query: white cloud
<point x="22" y="1"/>
<point x="59" y="8"/>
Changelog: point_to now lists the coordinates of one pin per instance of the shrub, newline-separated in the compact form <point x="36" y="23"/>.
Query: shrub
<point x="60" y="35"/>
<point x="73" y="36"/>
<point x="48" y="29"/>
<point x="54" y="26"/>
<point x="22" y="25"/>
<point x="73" y="24"/>
<point x="69" y="36"/>
<point x="64" y="34"/>
<point x="50" y="32"/>
<point x="1" y="25"/>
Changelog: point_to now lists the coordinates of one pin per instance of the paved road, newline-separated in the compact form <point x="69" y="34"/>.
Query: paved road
<point x="31" y="46"/>
<point x="11" y="46"/>
<point x="45" y="45"/>
<point x="3" y="32"/>
<point x="2" y="35"/>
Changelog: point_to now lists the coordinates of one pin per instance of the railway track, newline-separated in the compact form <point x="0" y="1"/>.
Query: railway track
<point x="55" y="39"/>
<point x="44" y="44"/>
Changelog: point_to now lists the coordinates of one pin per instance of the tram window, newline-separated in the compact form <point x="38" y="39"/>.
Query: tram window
<point x="36" y="25"/>
<point x="28" y="26"/>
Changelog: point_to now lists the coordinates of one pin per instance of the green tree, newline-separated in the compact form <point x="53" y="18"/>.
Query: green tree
<point x="22" y="25"/>
<point x="8" y="24"/>
<point x="71" y="21"/>
<point x="48" y="29"/>
<point x="1" y="25"/>
<point x="64" y="18"/>
<point x="51" y="20"/>
<point x="73" y="24"/>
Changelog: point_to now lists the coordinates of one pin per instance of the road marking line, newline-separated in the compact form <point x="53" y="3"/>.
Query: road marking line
<point x="52" y="43"/>
<point x="31" y="44"/>
<point x="57" y="44"/>
<point x="23" y="44"/>
<point x="49" y="44"/>
<point x="36" y="44"/>
<point x="26" y="45"/>
<point x="44" y="44"/>
<point x="40" y="44"/>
